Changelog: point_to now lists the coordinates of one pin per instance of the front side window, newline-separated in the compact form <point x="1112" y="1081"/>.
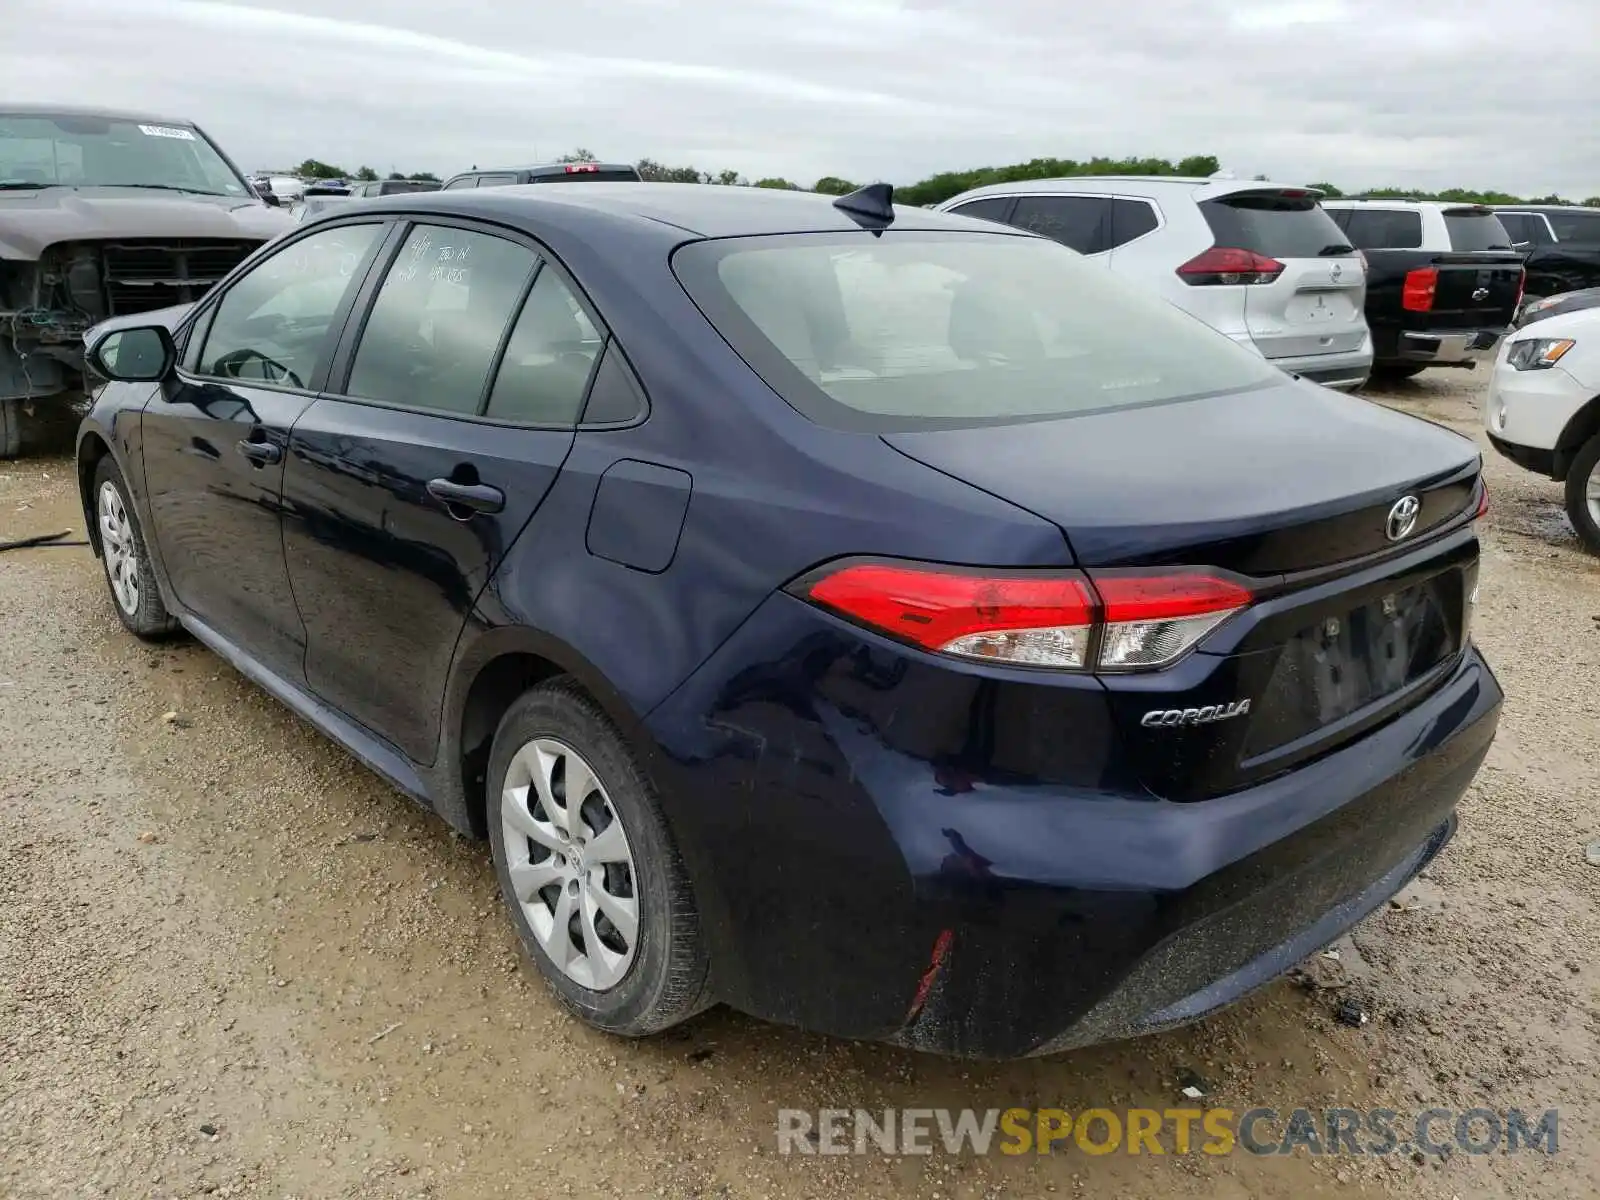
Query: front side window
<point x="1082" y="223"/>
<point x="438" y="319"/>
<point x="272" y="326"/>
<point x="549" y="358"/>
<point x="933" y="330"/>
<point x="85" y="151"/>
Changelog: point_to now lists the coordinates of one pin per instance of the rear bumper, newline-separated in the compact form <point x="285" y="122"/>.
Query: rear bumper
<point x="1345" y="370"/>
<point x="869" y="880"/>
<point x="1443" y="348"/>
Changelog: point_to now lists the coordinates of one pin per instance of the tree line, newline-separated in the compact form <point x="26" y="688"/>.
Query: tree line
<point x="937" y="188"/>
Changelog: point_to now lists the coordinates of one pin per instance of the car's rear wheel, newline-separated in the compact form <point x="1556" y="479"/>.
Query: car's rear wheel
<point x="1583" y="495"/>
<point x="588" y="867"/>
<point x="122" y="552"/>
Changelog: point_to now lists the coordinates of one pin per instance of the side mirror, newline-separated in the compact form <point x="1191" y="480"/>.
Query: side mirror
<point x="271" y="200"/>
<point x="142" y="355"/>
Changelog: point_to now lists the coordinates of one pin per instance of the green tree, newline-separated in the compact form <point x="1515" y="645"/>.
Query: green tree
<point x="776" y="182"/>
<point x="729" y="179"/>
<point x="315" y="169"/>
<point x="366" y="174"/>
<point x="1327" y="189"/>
<point x="1203" y="165"/>
<point x="1592" y="202"/>
<point x="428" y="175"/>
<point x="832" y="185"/>
<point x="579" y="155"/>
<point x="657" y="172"/>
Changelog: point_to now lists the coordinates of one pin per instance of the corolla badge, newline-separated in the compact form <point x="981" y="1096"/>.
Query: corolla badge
<point x="1402" y="518"/>
<point x="1209" y="714"/>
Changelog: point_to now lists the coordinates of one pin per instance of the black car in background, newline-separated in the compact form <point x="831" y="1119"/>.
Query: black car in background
<point x="1561" y="243"/>
<point x="575" y="172"/>
<point x="393" y="187"/>
<point x="1443" y="280"/>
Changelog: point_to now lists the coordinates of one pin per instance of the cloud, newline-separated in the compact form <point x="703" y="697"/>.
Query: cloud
<point x="1429" y="94"/>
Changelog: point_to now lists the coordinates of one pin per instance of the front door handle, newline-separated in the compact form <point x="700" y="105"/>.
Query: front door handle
<point x="474" y="497"/>
<point x="261" y="453"/>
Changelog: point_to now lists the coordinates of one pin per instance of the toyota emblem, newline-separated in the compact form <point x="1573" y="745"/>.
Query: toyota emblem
<point x="1403" y="518"/>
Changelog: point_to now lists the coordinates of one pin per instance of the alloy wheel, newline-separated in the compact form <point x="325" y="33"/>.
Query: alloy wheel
<point x="1591" y="493"/>
<point x="121" y="552"/>
<point x="570" y="864"/>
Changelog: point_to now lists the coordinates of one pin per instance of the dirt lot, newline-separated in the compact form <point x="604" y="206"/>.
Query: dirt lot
<point x="233" y="962"/>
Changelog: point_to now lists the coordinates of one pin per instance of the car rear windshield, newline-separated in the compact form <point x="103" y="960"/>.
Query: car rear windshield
<point x="609" y="175"/>
<point x="916" y="330"/>
<point x="1475" y="229"/>
<point x="1275" y="223"/>
<point x="1576" y="226"/>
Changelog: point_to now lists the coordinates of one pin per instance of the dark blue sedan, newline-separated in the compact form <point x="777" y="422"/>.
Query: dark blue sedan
<point x="875" y="620"/>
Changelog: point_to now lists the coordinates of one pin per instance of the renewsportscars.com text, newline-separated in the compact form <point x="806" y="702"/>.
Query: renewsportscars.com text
<point x="1097" y="1131"/>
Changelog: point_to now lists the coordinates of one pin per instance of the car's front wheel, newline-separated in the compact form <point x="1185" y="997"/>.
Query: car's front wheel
<point x="122" y="551"/>
<point x="1583" y="495"/>
<point x="588" y="867"/>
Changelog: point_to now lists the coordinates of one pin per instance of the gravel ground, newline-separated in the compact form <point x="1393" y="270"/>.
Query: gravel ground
<point x="233" y="962"/>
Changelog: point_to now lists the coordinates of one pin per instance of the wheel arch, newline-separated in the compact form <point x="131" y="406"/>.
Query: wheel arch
<point x="1580" y="427"/>
<point x="92" y="447"/>
<point x="491" y="672"/>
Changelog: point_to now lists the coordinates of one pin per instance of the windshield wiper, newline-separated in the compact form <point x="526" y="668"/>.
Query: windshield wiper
<point x="1336" y="248"/>
<point x="161" y="187"/>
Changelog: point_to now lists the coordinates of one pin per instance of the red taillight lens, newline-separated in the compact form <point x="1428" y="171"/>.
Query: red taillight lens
<point x="1030" y="620"/>
<point x="1126" y="620"/>
<point x="1416" y="295"/>
<point x="1225" y="265"/>
<point x="581" y="168"/>
<point x="1483" y="500"/>
<point x="1150" y="620"/>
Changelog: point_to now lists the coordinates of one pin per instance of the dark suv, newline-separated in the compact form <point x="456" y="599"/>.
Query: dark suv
<point x="878" y="620"/>
<point x="578" y="172"/>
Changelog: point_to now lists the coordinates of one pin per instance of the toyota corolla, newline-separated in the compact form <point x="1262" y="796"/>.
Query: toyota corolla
<point x="879" y="621"/>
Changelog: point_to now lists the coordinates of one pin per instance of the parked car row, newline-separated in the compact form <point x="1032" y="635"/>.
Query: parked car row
<point x="878" y="620"/>
<point x="1330" y="290"/>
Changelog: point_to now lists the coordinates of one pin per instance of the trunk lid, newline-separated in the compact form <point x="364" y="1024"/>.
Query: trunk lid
<point x="1276" y="480"/>
<point x="1292" y="485"/>
<point x="1476" y="290"/>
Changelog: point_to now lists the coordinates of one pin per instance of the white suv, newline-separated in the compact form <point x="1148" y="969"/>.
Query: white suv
<point x="1257" y="261"/>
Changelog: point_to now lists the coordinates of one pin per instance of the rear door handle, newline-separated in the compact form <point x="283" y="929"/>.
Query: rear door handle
<point x="476" y="497"/>
<point x="261" y="453"/>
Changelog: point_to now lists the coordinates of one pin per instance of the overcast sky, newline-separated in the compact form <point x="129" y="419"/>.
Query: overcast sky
<point x="1425" y="93"/>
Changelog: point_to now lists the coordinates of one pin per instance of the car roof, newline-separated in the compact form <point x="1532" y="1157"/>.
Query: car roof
<point x="79" y="110"/>
<point x="701" y="209"/>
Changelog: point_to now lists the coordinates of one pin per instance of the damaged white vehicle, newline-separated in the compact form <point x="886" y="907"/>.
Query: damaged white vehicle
<point x="103" y="214"/>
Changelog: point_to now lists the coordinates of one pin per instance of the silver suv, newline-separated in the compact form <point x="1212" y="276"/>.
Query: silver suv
<point x="1260" y="262"/>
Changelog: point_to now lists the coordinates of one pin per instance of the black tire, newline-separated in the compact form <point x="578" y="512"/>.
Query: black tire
<point x="666" y="982"/>
<point x="148" y="618"/>
<point x="1394" y="372"/>
<point x="1583" y="466"/>
<point x="10" y="428"/>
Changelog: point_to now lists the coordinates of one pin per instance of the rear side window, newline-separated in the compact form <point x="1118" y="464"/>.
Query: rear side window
<point x="1276" y="224"/>
<point x="500" y="179"/>
<point x="919" y="330"/>
<point x="1131" y="219"/>
<point x="989" y="208"/>
<point x="1523" y="227"/>
<point x="1081" y="223"/>
<point x="1385" y="228"/>
<point x="455" y="185"/>
<point x="1576" y="226"/>
<point x="438" y="319"/>
<point x="1475" y="229"/>
<point x="548" y="359"/>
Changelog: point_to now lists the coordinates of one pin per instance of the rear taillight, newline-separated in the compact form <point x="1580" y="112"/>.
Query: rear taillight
<point x="1117" y="621"/>
<point x="1483" y="500"/>
<point x="582" y="168"/>
<point x="1417" y="293"/>
<point x="1225" y="265"/>
<point x="1522" y="286"/>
